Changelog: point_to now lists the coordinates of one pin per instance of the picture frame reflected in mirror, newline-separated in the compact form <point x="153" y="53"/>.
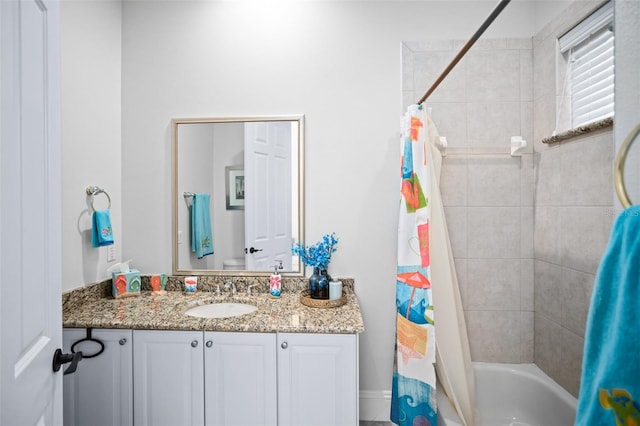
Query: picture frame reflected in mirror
<point x="234" y="187"/>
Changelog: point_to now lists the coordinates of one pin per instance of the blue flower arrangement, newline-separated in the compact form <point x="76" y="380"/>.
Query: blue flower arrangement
<point x="319" y="254"/>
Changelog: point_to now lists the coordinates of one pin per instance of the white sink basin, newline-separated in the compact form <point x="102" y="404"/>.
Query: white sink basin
<point x="221" y="310"/>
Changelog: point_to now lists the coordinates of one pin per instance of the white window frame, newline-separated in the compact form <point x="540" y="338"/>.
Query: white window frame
<point x="588" y="53"/>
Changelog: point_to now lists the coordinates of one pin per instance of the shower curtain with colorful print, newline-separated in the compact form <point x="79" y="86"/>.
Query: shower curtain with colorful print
<point x="413" y="400"/>
<point x="425" y="259"/>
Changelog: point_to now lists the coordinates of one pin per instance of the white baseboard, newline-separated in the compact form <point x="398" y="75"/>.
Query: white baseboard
<point x="375" y="405"/>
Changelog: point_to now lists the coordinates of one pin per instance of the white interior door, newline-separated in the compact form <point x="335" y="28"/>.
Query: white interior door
<point x="267" y="153"/>
<point x="30" y="217"/>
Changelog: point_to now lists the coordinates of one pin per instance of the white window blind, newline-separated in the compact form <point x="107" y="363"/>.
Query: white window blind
<point x="589" y="47"/>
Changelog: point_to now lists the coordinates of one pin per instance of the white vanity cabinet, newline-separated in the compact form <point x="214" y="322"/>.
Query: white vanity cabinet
<point x="168" y="377"/>
<point x="317" y="379"/>
<point x="240" y="379"/>
<point x="161" y="377"/>
<point x="100" y="391"/>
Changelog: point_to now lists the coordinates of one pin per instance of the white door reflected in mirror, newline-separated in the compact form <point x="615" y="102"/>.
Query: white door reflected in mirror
<point x="267" y="217"/>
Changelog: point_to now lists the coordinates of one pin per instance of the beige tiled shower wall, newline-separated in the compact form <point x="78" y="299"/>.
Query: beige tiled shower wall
<point x="573" y="214"/>
<point x="527" y="232"/>
<point x="488" y="197"/>
<point x="573" y="217"/>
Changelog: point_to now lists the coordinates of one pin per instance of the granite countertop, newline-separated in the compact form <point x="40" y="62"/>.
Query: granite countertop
<point x="151" y="311"/>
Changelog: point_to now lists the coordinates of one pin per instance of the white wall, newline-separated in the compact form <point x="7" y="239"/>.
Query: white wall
<point x="336" y="62"/>
<point x="91" y="82"/>
<point x="205" y="150"/>
<point x="627" y="87"/>
<point x="228" y="225"/>
<point x="196" y="176"/>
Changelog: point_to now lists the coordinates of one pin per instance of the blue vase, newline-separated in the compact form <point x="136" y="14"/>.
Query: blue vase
<point x="319" y="284"/>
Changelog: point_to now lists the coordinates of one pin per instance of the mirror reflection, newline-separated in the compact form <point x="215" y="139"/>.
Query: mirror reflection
<point x="237" y="191"/>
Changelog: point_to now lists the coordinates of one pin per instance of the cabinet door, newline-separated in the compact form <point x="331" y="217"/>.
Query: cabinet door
<point x="240" y="379"/>
<point x="99" y="392"/>
<point x="168" y="378"/>
<point x="317" y="379"/>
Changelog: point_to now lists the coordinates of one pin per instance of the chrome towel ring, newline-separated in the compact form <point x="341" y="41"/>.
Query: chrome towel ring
<point x="618" y="171"/>
<point x="95" y="190"/>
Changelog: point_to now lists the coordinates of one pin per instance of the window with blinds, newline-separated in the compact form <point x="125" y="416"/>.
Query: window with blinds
<point x="588" y="48"/>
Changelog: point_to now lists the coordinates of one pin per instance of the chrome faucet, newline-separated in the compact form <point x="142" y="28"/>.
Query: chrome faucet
<point x="249" y="287"/>
<point x="217" y="290"/>
<point x="231" y="285"/>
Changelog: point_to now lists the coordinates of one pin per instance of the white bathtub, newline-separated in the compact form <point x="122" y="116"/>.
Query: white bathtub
<point x="514" y="395"/>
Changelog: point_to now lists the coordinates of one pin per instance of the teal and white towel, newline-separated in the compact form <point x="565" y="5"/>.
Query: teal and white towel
<point x="201" y="237"/>
<point x="610" y="383"/>
<point x="101" y="231"/>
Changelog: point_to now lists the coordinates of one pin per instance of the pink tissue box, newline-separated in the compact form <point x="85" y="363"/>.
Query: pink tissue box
<point x="124" y="284"/>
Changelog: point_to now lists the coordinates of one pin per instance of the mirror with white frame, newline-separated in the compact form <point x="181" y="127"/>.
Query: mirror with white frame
<point x="252" y="170"/>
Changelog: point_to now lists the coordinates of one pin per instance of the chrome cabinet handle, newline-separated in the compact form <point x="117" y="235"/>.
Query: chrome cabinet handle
<point x="209" y="343"/>
<point x="194" y="344"/>
<point x="122" y="341"/>
<point x="284" y="345"/>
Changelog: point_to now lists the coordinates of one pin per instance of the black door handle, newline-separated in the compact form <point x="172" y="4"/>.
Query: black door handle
<point x="252" y="250"/>
<point x="59" y="358"/>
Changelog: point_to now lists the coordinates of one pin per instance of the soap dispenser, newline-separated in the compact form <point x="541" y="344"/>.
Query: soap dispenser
<point x="275" y="281"/>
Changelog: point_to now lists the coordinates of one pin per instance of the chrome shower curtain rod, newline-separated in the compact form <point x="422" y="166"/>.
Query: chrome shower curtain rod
<point x="487" y="22"/>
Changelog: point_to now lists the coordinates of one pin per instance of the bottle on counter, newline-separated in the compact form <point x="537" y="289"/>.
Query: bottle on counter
<point x="275" y="281"/>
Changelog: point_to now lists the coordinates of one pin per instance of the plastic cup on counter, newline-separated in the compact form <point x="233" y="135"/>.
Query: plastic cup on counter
<point x="190" y="285"/>
<point x="335" y="290"/>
